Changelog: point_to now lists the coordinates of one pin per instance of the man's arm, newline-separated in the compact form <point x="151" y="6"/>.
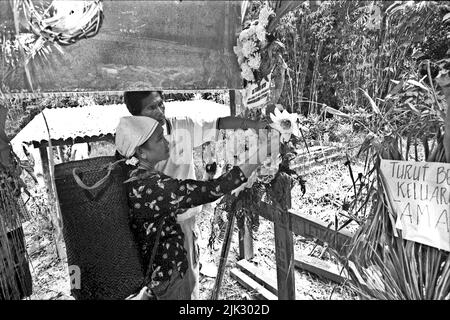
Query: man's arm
<point x="240" y="123"/>
<point x="204" y="131"/>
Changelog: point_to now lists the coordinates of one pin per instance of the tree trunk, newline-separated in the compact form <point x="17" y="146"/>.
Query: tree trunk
<point x="313" y="85"/>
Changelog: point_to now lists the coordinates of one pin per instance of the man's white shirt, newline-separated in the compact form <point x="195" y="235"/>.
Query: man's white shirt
<point x="185" y="134"/>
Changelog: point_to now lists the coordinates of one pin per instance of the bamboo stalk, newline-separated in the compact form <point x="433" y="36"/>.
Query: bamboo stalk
<point x="223" y="256"/>
<point x="53" y="198"/>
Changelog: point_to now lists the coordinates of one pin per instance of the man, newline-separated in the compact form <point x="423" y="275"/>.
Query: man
<point x="183" y="135"/>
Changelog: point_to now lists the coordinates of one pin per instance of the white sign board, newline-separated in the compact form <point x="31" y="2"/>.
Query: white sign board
<point x="419" y="193"/>
<point x="257" y="95"/>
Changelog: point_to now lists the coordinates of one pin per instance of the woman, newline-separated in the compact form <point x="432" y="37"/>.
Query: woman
<point x="155" y="199"/>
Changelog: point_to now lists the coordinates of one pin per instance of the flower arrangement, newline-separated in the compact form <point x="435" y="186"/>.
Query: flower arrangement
<point x="257" y="55"/>
<point x="247" y="149"/>
<point x="241" y="145"/>
<point x="250" y="44"/>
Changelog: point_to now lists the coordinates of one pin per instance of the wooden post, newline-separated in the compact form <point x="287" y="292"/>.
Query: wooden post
<point x="284" y="252"/>
<point x="245" y="233"/>
<point x="61" y="153"/>
<point x="54" y="207"/>
<point x="232" y="94"/>
<point x="245" y="242"/>
<point x="284" y="242"/>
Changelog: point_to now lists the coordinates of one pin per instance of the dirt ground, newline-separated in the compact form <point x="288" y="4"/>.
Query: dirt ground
<point x="334" y="180"/>
<point x="326" y="185"/>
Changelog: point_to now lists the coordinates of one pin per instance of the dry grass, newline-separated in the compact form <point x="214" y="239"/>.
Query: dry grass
<point x="394" y="268"/>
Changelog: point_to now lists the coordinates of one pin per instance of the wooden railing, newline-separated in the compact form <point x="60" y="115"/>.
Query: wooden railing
<point x="287" y="223"/>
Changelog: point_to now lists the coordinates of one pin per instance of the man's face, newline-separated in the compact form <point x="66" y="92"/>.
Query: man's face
<point x="154" y="108"/>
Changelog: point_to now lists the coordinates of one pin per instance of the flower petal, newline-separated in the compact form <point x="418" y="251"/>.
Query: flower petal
<point x="285" y="137"/>
<point x="273" y="117"/>
<point x="277" y="113"/>
<point x="276" y="126"/>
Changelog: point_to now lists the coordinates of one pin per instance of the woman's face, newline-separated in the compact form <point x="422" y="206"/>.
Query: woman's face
<point x="156" y="148"/>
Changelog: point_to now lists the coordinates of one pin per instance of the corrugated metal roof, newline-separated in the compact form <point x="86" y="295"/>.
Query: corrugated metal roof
<point x="102" y="120"/>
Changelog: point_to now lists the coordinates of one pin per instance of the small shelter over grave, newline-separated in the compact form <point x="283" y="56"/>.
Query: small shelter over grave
<point x="77" y="125"/>
<point x="98" y="122"/>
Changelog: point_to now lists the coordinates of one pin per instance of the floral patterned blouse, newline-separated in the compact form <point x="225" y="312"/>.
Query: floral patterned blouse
<point x="156" y="198"/>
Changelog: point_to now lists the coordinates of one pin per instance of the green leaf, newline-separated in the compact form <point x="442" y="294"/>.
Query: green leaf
<point x="336" y="112"/>
<point x="372" y="103"/>
<point x="417" y="84"/>
<point x="396" y="89"/>
<point x="446" y="17"/>
<point x="413" y="108"/>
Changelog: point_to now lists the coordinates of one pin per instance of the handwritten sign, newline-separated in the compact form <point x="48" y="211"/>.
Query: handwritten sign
<point x="419" y="193"/>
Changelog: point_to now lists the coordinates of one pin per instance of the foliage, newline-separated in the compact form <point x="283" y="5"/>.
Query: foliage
<point x="391" y="267"/>
<point x="12" y="213"/>
<point x="346" y="45"/>
<point x="383" y="80"/>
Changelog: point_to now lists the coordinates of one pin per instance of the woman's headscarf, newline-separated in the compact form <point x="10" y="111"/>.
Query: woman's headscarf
<point x="133" y="132"/>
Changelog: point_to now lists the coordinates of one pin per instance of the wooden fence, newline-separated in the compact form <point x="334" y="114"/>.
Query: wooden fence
<point x="287" y="223"/>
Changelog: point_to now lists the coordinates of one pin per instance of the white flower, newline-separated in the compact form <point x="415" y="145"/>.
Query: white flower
<point x="285" y="123"/>
<point x="261" y="34"/>
<point x="254" y="61"/>
<point x="133" y="161"/>
<point x="248" y="48"/>
<point x="264" y="15"/>
<point x="243" y="36"/>
<point x="247" y="73"/>
<point x="238" y="51"/>
<point x="246" y="34"/>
